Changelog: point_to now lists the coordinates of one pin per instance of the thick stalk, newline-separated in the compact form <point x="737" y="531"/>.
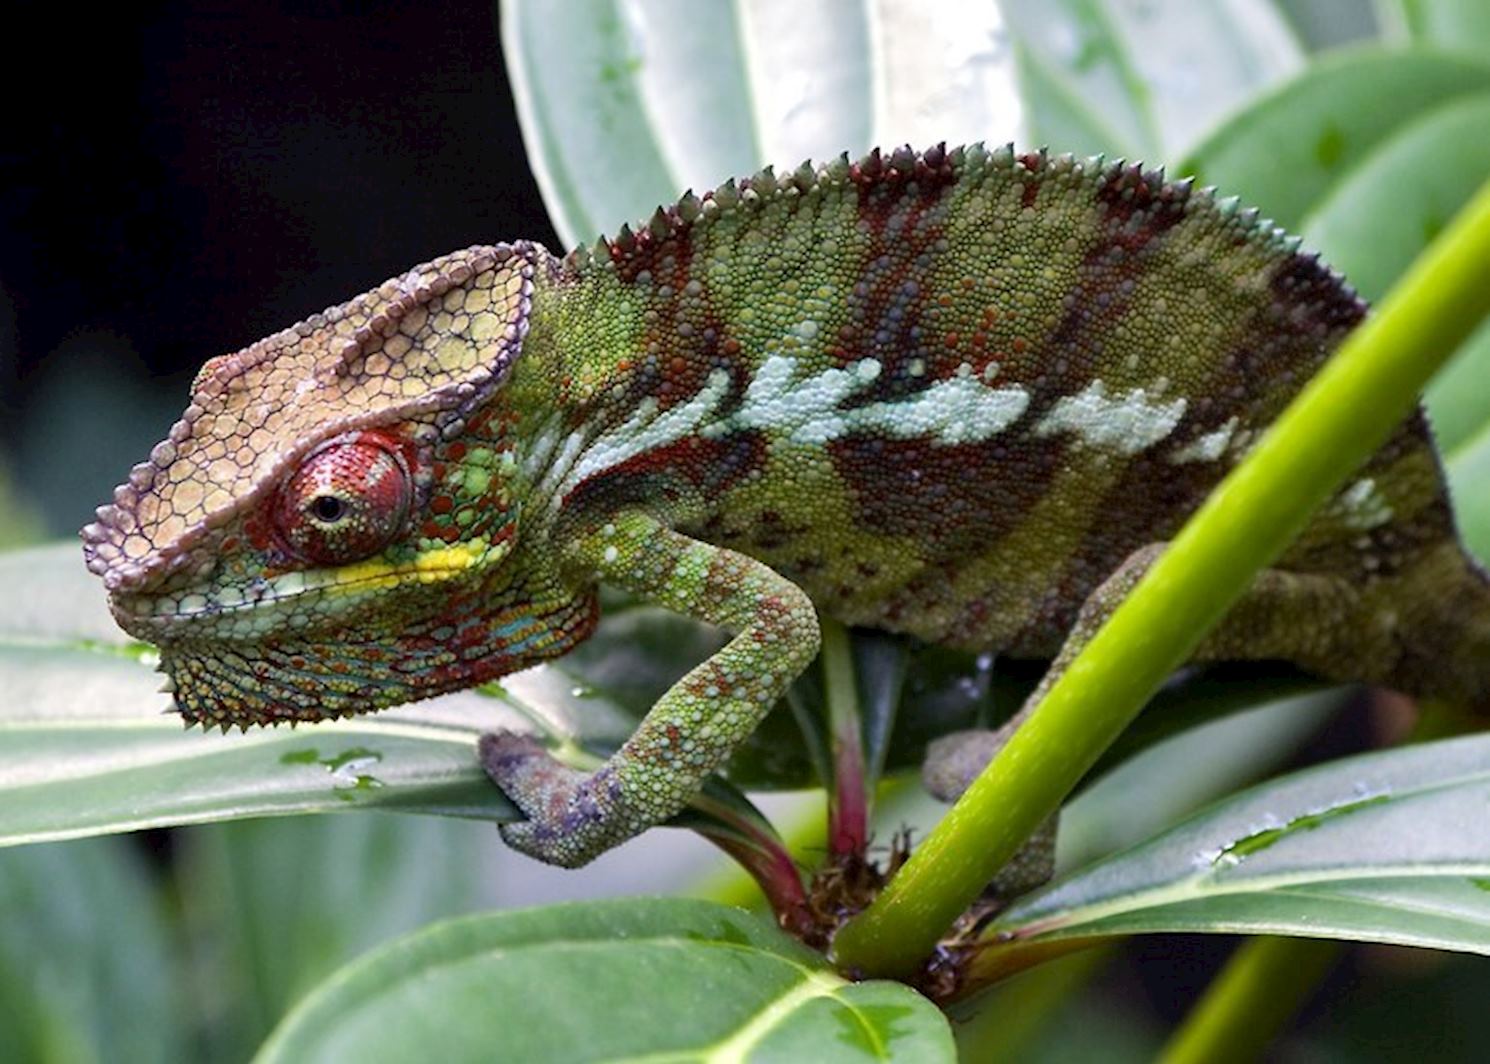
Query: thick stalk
<point x="1338" y="420"/>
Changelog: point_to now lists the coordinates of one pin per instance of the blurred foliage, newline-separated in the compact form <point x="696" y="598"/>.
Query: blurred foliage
<point x="19" y="522"/>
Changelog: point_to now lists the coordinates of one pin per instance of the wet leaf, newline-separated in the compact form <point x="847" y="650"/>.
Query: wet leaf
<point x="1161" y="783"/>
<point x="565" y="983"/>
<point x="1385" y="847"/>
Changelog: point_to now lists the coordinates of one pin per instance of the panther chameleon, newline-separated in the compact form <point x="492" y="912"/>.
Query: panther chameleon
<point x="965" y="395"/>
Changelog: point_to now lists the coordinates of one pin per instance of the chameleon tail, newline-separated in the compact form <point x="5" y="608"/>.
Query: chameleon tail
<point x="1445" y="632"/>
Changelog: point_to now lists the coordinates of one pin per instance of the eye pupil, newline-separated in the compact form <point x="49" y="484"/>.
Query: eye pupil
<point x="344" y="503"/>
<point x="328" y="508"/>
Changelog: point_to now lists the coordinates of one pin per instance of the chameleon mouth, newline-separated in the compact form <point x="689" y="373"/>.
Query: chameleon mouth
<point x="149" y="615"/>
<point x="198" y="605"/>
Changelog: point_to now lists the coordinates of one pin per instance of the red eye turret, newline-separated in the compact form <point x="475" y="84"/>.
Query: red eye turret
<point x="346" y="502"/>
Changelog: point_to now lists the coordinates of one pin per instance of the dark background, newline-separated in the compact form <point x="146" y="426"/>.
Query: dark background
<point x="179" y="181"/>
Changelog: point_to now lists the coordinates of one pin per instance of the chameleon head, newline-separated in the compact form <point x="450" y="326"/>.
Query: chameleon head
<point x="325" y="530"/>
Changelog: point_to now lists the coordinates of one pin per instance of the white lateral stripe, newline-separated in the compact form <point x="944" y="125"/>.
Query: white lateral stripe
<point x="809" y="412"/>
<point x="959" y="410"/>
<point x="806" y="411"/>
<point x="1206" y="448"/>
<point x="1127" y="424"/>
<point x="1362" y="506"/>
<point x="646" y="430"/>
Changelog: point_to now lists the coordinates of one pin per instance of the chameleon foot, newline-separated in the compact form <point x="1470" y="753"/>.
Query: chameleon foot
<point x="572" y="816"/>
<point x="954" y="761"/>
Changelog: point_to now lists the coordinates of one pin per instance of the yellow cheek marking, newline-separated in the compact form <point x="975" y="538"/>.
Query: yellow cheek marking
<point x="443" y="562"/>
<point x="429" y="567"/>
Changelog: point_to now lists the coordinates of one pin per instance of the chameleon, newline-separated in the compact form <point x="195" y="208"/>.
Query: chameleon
<point x="965" y="395"/>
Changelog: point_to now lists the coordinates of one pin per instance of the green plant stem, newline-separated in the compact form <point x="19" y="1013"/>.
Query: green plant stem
<point x="1263" y="984"/>
<point x="1338" y="420"/>
<point x="848" y="794"/>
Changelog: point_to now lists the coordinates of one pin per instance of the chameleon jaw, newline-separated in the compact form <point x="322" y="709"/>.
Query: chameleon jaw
<point x="320" y="596"/>
<point x="303" y="676"/>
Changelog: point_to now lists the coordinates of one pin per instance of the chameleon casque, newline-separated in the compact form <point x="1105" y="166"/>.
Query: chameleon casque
<point x="965" y="395"/>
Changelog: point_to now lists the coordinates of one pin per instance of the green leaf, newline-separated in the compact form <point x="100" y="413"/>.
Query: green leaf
<point x="592" y="142"/>
<point x="1469" y="479"/>
<point x="1141" y="80"/>
<point x="85" y="958"/>
<point x="274" y="907"/>
<point x="1457" y="399"/>
<point x="1459" y="405"/>
<point x="1395" y="201"/>
<point x="1462" y="25"/>
<point x="665" y="979"/>
<point x="1291" y="147"/>
<point x="624" y="106"/>
<point x="1060" y="118"/>
<point x="1385" y="847"/>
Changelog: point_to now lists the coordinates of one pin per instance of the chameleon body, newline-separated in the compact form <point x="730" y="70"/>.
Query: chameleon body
<point x="965" y="395"/>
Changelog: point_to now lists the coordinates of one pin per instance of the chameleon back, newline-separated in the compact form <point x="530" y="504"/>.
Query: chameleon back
<point x="949" y="393"/>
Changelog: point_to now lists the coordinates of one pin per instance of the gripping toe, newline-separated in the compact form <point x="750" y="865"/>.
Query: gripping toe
<point x="570" y="819"/>
<point x="954" y="761"/>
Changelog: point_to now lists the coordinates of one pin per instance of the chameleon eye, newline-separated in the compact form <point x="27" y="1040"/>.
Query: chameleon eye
<point x="346" y="502"/>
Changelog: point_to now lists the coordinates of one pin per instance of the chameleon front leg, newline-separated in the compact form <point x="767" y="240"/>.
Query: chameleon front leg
<point x="1311" y="620"/>
<point x="693" y="729"/>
